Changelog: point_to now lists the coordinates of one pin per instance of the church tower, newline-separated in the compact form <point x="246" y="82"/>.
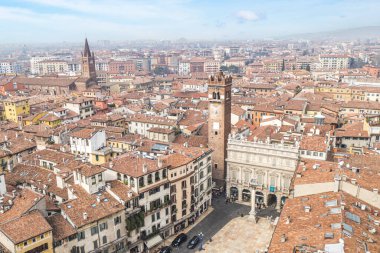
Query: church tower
<point x="219" y="123"/>
<point x="88" y="63"/>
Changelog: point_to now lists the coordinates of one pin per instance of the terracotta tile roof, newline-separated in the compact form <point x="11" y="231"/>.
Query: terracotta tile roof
<point x="160" y="130"/>
<point x="306" y="228"/>
<point x="314" y="143"/>
<point x="84" y="133"/>
<point x="192" y="140"/>
<point x="132" y="165"/>
<point x="88" y="203"/>
<point x="37" y="176"/>
<point x="150" y="119"/>
<point x="122" y="190"/>
<point x="352" y="130"/>
<point x="25" y="227"/>
<point x="22" y="203"/>
<point x="237" y="110"/>
<point x="89" y="170"/>
<point x="45" y="81"/>
<point x="61" y="227"/>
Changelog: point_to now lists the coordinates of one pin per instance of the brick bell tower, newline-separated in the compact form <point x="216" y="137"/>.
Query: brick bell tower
<point x="88" y="63"/>
<point x="219" y="123"/>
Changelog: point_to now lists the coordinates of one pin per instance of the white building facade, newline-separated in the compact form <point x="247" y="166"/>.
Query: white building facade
<point x="263" y="170"/>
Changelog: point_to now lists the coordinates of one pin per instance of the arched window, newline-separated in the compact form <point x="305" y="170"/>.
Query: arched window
<point x="214" y="95"/>
<point x="218" y="95"/>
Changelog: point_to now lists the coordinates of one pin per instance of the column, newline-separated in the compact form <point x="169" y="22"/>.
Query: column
<point x="240" y="193"/>
<point x="252" y="213"/>
<point x="265" y="199"/>
<point x="278" y="206"/>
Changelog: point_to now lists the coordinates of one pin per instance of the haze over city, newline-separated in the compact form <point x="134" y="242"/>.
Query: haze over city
<point x="25" y="21"/>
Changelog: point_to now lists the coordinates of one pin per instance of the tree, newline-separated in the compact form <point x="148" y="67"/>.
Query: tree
<point x="224" y="68"/>
<point x="233" y="69"/>
<point x="161" y="70"/>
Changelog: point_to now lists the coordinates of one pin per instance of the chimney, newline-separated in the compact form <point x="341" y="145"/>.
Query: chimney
<point x="85" y="216"/>
<point x="283" y="238"/>
<point x="159" y="162"/>
<point x="145" y="168"/>
<point x="111" y="165"/>
<point x="19" y="158"/>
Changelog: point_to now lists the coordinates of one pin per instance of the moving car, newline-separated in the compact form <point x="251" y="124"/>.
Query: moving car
<point x="193" y="242"/>
<point x="179" y="240"/>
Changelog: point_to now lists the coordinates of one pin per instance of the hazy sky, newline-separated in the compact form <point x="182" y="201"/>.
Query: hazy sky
<point x="70" y="20"/>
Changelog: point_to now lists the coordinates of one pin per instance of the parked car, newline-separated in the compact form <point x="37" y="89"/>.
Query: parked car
<point x="181" y="238"/>
<point x="166" y="249"/>
<point x="193" y="242"/>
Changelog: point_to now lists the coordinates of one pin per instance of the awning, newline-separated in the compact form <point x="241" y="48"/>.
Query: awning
<point x="153" y="241"/>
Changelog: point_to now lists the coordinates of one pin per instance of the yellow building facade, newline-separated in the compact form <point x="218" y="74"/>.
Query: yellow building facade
<point x="14" y="108"/>
<point x="42" y="243"/>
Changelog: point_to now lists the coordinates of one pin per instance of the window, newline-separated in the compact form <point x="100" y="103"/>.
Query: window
<point x="100" y="177"/>
<point x="93" y="179"/>
<point x="157" y="176"/>
<point x="141" y="182"/>
<point x="118" y="234"/>
<point x="94" y="230"/>
<point x="95" y="244"/>
<point x="81" y="235"/>
<point x="103" y="226"/>
<point x="117" y="220"/>
<point x="153" y="218"/>
<point x="104" y="239"/>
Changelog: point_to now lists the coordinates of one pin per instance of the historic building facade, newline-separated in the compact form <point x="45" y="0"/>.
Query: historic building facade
<point x="260" y="169"/>
<point x="219" y="123"/>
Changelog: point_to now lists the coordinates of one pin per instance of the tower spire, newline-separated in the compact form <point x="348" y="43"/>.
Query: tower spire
<point x="86" y="51"/>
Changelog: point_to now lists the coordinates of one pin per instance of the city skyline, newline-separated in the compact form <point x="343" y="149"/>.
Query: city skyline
<point x="31" y="21"/>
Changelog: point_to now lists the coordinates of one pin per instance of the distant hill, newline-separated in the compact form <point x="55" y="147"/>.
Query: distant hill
<point x="342" y="34"/>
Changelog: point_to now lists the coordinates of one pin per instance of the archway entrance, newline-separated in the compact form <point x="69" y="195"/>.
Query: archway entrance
<point x="260" y="200"/>
<point x="272" y="200"/>
<point x="234" y="192"/>
<point x="246" y="195"/>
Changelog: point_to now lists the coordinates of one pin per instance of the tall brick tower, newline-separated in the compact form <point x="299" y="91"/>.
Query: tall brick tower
<point x="88" y="63"/>
<point x="219" y="122"/>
